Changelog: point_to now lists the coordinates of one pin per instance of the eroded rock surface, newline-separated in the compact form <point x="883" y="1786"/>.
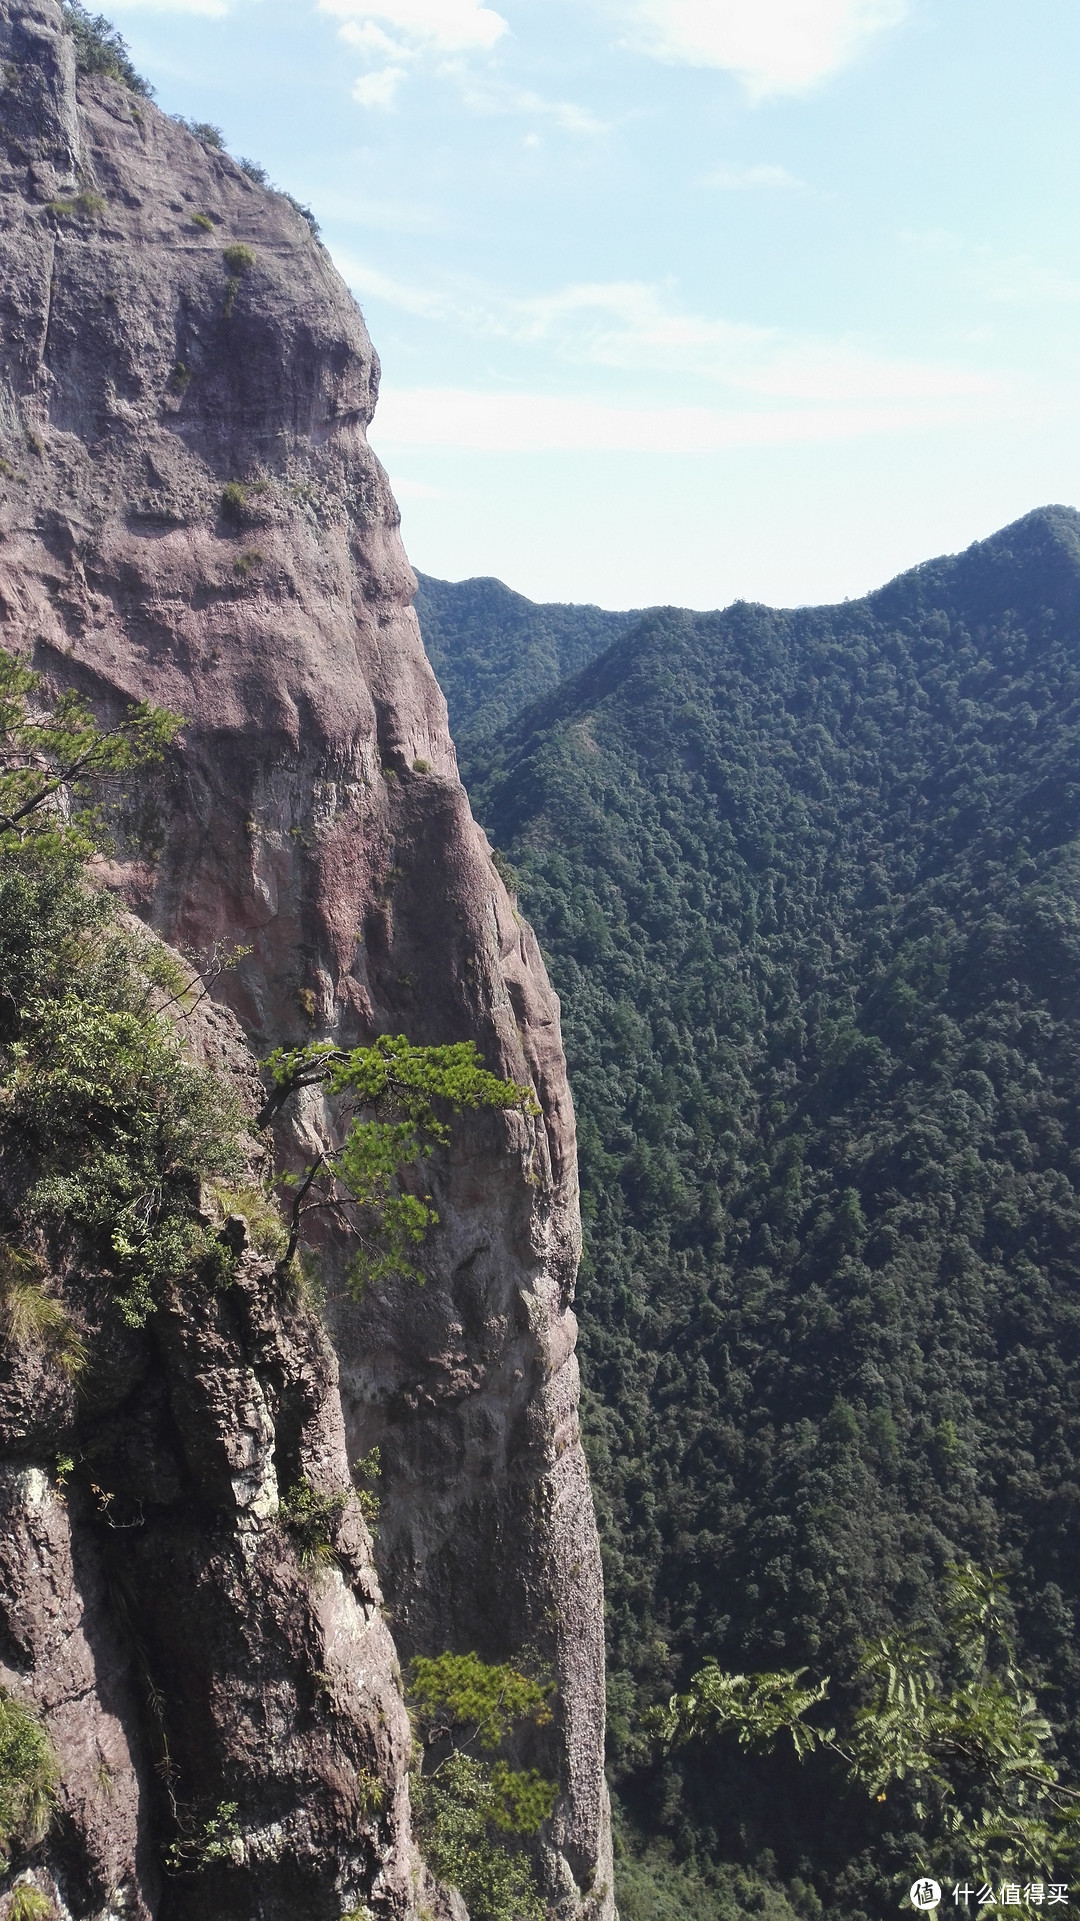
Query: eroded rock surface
<point x="190" y="513"/>
<point x="226" y="1714"/>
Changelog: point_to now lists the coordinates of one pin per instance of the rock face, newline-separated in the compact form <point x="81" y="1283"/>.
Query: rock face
<point x="190" y="513"/>
<point x="200" y="1685"/>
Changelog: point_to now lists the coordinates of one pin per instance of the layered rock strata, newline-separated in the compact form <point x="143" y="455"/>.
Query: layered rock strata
<point x="190" y="513"/>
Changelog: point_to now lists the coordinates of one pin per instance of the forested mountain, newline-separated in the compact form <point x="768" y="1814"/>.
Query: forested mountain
<point x="808" y="886"/>
<point x="494" y="651"/>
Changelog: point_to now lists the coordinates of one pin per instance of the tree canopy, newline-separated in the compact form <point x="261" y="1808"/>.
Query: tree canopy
<point x="807" y="885"/>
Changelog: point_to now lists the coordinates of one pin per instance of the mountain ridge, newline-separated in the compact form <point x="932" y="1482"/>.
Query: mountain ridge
<point x="806" y="882"/>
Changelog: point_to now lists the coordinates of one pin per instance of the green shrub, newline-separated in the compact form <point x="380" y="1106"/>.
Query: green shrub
<point x="29" y="1904"/>
<point x="260" y="178"/>
<point x="100" y="49"/>
<point x="468" y="1692"/>
<point x="305" y="213"/>
<point x="204" y="221"/>
<point x="28" y="1776"/>
<point x="215" y="1840"/>
<point x="405" y="1090"/>
<point x="365" y="1470"/>
<point x="234" y="501"/>
<point x="84" y="206"/>
<point x="203" y="130"/>
<point x="457" y="1809"/>
<point x="476" y="1816"/>
<point x="238" y="258"/>
<point x="310" y="1518"/>
<point x="31" y="1318"/>
<point x="266" y="1229"/>
<point x="112" y="1126"/>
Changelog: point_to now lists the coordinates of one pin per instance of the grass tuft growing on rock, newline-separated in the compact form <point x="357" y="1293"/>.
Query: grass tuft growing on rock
<point x="28" y="1776"/>
<point x="31" y="1318"/>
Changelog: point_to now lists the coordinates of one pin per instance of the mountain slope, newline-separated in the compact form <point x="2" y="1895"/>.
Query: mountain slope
<point x="807" y="884"/>
<point x="494" y="651"/>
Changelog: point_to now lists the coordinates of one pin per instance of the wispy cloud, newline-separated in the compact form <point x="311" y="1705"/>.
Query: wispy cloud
<point x="773" y="46"/>
<point x="734" y="176"/>
<point x="635" y="328"/>
<point x="378" y="89"/>
<point x="448" y="26"/>
<point x="214" y="9"/>
<point x="396" y="36"/>
<point x="495" y="98"/>
<point x="529" y="423"/>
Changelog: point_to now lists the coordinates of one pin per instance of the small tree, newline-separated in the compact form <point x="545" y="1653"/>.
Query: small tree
<point x="476" y="1813"/>
<point x="64" y="749"/>
<point x="112" y="1127"/>
<point x="405" y="1094"/>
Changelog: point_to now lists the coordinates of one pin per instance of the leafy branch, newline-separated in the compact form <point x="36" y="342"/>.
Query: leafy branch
<point x="475" y="1814"/>
<point x="960" y="1727"/>
<point x="406" y="1095"/>
<point x="40" y="757"/>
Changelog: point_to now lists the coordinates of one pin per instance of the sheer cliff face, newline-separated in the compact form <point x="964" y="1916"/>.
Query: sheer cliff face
<point x="190" y="513"/>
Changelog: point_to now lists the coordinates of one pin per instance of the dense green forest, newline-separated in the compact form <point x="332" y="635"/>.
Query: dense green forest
<point x="494" y="651"/>
<point x="808" y="886"/>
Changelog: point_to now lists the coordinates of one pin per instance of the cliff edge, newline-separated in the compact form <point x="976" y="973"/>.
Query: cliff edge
<point x="190" y="513"/>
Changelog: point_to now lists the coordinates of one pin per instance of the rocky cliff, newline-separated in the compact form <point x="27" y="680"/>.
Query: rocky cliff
<point x="190" y="513"/>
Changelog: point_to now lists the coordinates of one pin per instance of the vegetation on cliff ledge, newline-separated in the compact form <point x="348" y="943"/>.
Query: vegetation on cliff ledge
<point x="477" y="1812"/>
<point x="106" y="1129"/>
<point x="99" y="48"/>
<point x="28" y="1776"/>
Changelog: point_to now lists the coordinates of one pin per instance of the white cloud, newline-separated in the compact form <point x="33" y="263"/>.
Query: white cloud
<point x="369" y="38"/>
<point x="445" y="26"/>
<point x="378" y="89"/>
<point x="735" y="176"/>
<point x="494" y="98"/>
<point x="631" y="327"/>
<point x="522" y="423"/>
<point x="774" y="46"/>
<point x="214" y="9"/>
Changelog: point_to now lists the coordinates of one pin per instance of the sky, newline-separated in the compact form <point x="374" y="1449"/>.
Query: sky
<point x="680" y="301"/>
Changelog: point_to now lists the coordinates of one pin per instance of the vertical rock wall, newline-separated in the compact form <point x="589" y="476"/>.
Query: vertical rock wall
<point x="190" y="513"/>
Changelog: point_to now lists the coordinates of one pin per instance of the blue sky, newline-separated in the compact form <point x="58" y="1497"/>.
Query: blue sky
<point x="681" y="300"/>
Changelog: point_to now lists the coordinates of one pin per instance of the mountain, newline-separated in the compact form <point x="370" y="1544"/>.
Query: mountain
<point x="494" y="651"/>
<point x="190" y="514"/>
<point x="807" y="886"/>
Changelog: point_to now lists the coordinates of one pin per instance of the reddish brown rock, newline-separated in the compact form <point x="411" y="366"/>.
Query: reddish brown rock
<point x="194" y="1676"/>
<point x="190" y="512"/>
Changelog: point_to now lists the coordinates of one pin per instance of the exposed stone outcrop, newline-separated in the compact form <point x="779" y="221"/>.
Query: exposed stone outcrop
<point x="154" y="1610"/>
<point x="190" y="513"/>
